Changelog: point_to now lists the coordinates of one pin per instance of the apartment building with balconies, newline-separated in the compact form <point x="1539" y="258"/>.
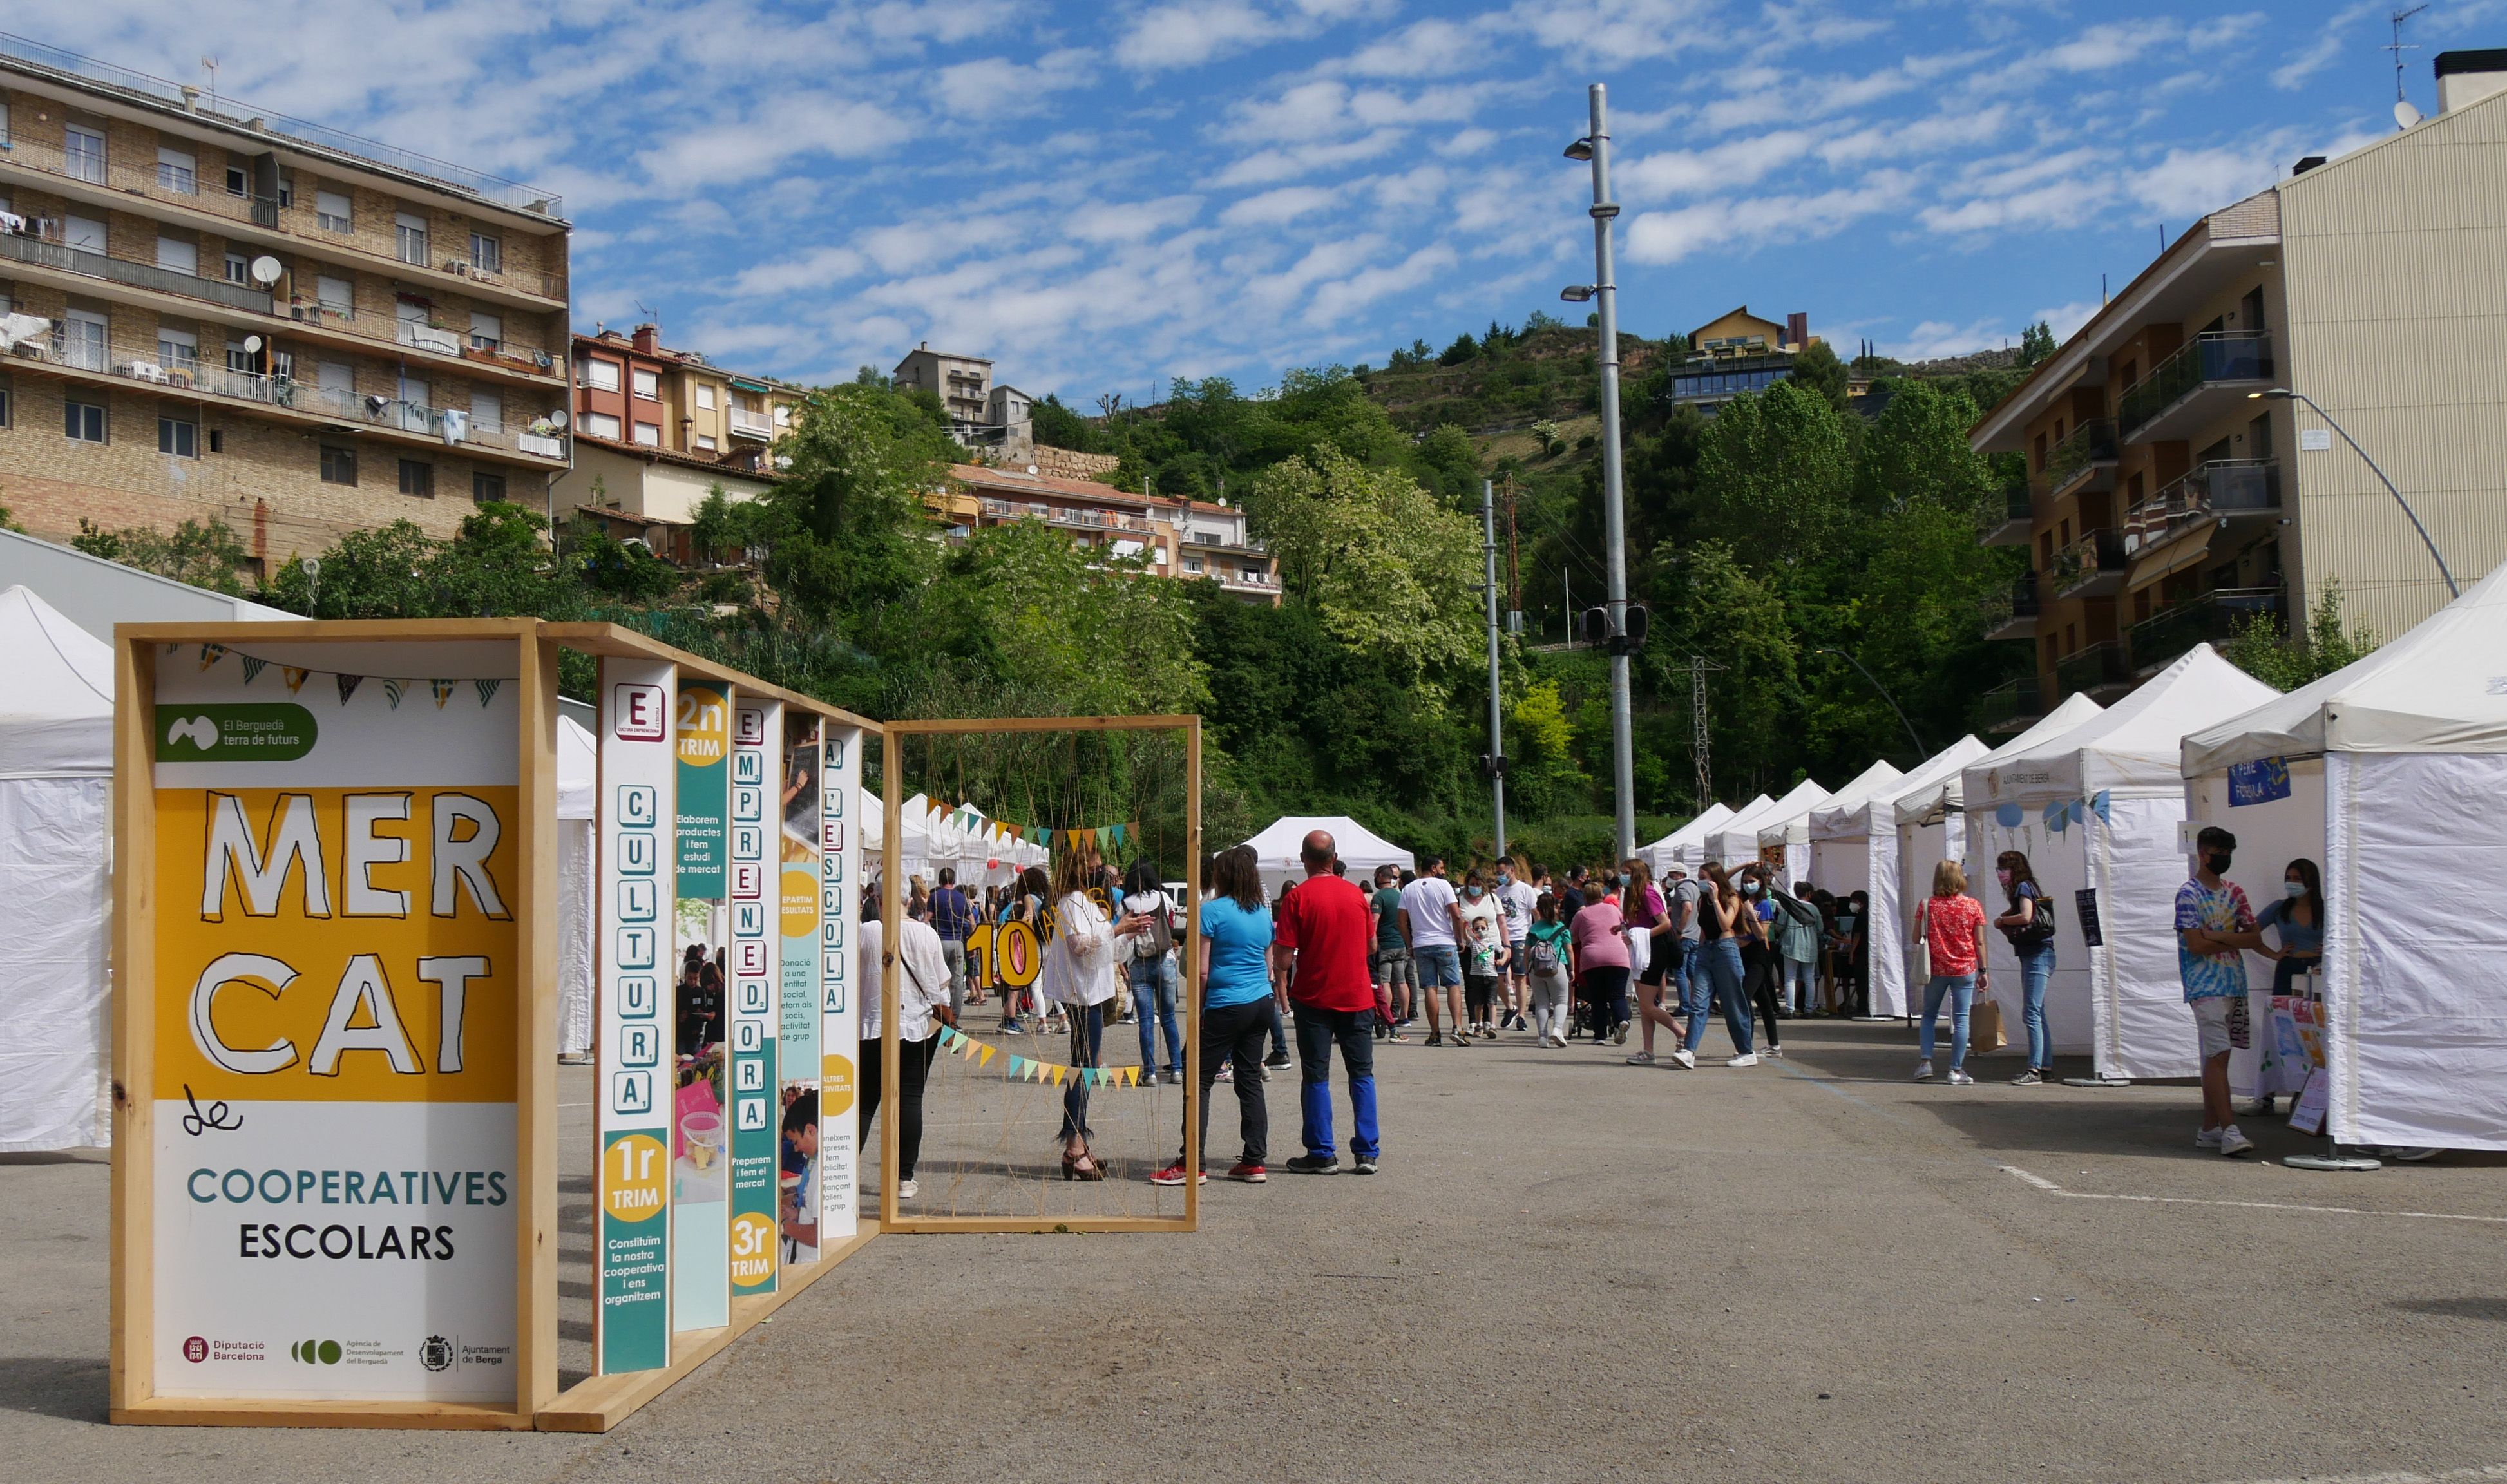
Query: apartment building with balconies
<point x="210" y="312"/>
<point x="2171" y="493"/>
<point x="964" y="383"/>
<point x="1737" y="353"/>
<point x="658" y="429"/>
<point x="1192" y="540"/>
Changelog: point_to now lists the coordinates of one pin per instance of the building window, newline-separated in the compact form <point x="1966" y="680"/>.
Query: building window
<point x="4" y="123"/>
<point x="487" y="411"/>
<point x="176" y="256"/>
<point x="485" y="486"/>
<point x="84" y="338"/>
<point x="239" y="268"/>
<point x="238" y="357"/>
<point x="706" y="442"/>
<point x="338" y="464"/>
<point x="782" y="415"/>
<point x="84" y="233"/>
<point x="487" y="253"/>
<point x="409" y="237"/>
<point x="239" y="180"/>
<point x="649" y="434"/>
<point x="82" y="153"/>
<point x="335" y="296"/>
<point x="217" y="441"/>
<point x="600" y="374"/>
<point x="648" y="384"/>
<point x="286" y="188"/>
<point x="178" y="349"/>
<point x="82" y="421"/>
<point x="487" y="331"/>
<point x="7" y="404"/>
<point x="705" y="397"/>
<point x="417" y="478"/>
<point x="178" y="437"/>
<point x="177" y="172"/>
<point x="331" y="211"/>
<point x="599" y="425"/>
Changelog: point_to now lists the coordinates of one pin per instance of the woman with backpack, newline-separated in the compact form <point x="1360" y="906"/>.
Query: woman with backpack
<point x="1152" y="974"/>
<point x="2029" y="925"/>
<point x="1549" y="953"/>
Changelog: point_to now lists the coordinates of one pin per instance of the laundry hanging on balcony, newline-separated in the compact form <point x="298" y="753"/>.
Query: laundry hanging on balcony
<point x="16" y="328"/>
<point x="454" y="424"/>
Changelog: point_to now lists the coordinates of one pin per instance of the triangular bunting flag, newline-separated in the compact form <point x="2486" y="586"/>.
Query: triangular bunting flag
<point x="1018" y="1067"/>
<point x="395" y="689"/>
<point x="443" y="692"/>
<point x="252" y="668"/>
<point x="2101" y="802"/>
<point x="1132" y="1077"/>
<point x="211" y="654"/>
<point x="487" y="690"/>
<point x="294" y="677"/>
<point x="986" y="1055"/>
<point x="348" y="686"/>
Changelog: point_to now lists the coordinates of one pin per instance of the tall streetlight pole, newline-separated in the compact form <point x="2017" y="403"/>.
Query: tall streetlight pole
<point x="1604" y="290"/>
<point x="1497" y="735"/>
<point x="2284" y="394"/>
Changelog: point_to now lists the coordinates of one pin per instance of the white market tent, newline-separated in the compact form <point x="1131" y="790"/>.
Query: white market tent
<point x="2097" y="809"/>
<point x="1665" y="851"/>
<point x="1793" y="836"/>
<point x="55" y="800"/>
<point x="1278" y="847"/>
<point x="1735" y="842"/>
<point x="1932" y="827"/>
<point x="1854" y="848"/>
<point x="2389" y="774"/>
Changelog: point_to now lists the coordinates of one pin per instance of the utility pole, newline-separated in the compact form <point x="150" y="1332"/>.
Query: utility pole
<point x="1513" y="572"/>
<point x="1567" y="592"/>
<point x="1699" y="747"/>
<point x="1614" y="535"/>
<point x="1497" y="736"/>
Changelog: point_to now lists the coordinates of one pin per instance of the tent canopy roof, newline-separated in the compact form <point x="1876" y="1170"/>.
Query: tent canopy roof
<point x="2433" y="690"/>
<point x="1862" y="785"/>
<point x="56" y="718"/>
<point x="2134" y="746"/>
<point x="1739" y="835"/>
<point x="1949" y="790"/>
<point x="1690" y="832"/>
<point x="1845" y="818"/>
<point x="1278" y="847"/>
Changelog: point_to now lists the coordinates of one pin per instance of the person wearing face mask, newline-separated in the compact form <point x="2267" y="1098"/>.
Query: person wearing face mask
<point x="2029" y="924"/>
<point x="1723" y="913"/>
<point x="2299" y="915"/>
<point x="1759" y="959"/>
<point x="1515" y="899"/>
<point x="1484" y="961"/>
<point x="2214" y="929"/>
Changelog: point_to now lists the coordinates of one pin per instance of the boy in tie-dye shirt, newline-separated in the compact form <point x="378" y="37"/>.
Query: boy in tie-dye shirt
<point x="2214" y="928"/>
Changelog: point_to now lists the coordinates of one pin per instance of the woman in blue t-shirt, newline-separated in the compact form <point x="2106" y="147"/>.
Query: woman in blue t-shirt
<point x="2029" y="924"/>
<point x="2300" y="917"/>
<point x="1236" y="1007"/>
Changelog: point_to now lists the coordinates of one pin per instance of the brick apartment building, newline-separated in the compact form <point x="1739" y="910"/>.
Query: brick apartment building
<point x="208" y="311"/>
<point x="1189" y="540"/>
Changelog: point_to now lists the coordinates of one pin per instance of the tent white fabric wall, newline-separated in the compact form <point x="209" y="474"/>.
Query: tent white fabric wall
<point x="1279" y="845"/>
<point x="1854" y="848"/>
<point x="2411" y="744"/>
<point x="578" y="789"/>
<point x="2122" y="803"/>
<point x="1793" y="834"/>
<point x="55" y="796"/>
<point x="1680" y="847"/>
<point x="1735" y="842"/>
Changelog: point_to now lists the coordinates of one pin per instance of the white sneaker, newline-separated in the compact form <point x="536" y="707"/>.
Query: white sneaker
<point x="1745" y="1059"/>
<point x="1619" y="1035"/>
<point x="2208" y="1138"/>
<point x="1687" y="1058"/>
<point x="1773" y="1051"/>
<point x="907" y="1190"/>
<point x="2233" y="1142"/>
<point x="1923" y="1072"/>
<point x="1642" y="1058"/>
<point x="1959" y="1078"/>
<point x="1558" y="1038"/>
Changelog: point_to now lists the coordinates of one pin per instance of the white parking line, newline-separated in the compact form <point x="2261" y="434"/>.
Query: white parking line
<point x="2039" y="1183"/>
<point x="2492" y="1471"/>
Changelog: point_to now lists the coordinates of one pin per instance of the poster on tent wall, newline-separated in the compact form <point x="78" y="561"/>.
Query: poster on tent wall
<point x="839" y="1012"/>
<point x="335" y="1003"/>
<point x="756" y="1004"/>
<point x="632" y="1075"/>
<point x="796" y="868"/>
<point x="700" y="1153"/>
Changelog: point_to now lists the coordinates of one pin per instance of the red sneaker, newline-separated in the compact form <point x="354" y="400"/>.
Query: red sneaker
<point x="1250" y="1175"/>
<point x="1173" y="1174"/>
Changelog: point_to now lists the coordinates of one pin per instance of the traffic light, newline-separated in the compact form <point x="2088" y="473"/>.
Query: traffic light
<point x="1597" y="633"/>
<point x="1494" y="767"/>
<point x="1597" y="628"/>
<point x="1636" y="627"/>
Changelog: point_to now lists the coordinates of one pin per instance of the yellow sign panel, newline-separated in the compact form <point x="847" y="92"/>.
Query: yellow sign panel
<point x="336" y="945"/>
<point x="835" y="1085"/>
<point x="633" y="1181"/>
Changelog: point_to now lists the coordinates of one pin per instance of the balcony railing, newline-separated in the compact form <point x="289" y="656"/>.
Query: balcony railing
<point x="2004" y="519"/>
<point x="2021" y="605"/>
<point x="1093" y="519"/>
<point x="41" y="252"/>
<point x="2089" y="446"/>
<point x="2093" y="666"/>
<point x="2211" y="618"/>
<point x="2096" y="555"/>
<point x="1231" y="578"/>
<point x="2212" y="357"/>
<point x="2012" y="704"/>
<point x="1209" y="541"/>
<point x="748" y="424"/>
<point x="2222" y="486"/>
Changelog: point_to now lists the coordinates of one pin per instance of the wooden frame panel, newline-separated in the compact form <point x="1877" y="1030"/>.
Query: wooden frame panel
<point x="891" y="874"/>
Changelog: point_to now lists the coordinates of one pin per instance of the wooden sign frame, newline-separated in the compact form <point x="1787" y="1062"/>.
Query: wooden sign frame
<point x="892" y="911"/>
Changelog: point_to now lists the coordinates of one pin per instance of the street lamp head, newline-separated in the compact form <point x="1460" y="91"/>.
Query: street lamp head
<point x="1582" y="149"/>
<point x="1577" y="293"/>
<point x="2276" y="393"/>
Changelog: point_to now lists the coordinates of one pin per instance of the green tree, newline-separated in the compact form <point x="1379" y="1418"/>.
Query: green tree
<point x="207" y="554"/>
<point x="1385" y="565"/>
<point x="1462" y="350"/>
<point x="848" y="526"/>
<point x="1817" y="369"/>
<point x="1917" y="450"/>
<point x="2036" y="344"/>
<point x="1772" y="474"/>
<point x="2286" y="661"/>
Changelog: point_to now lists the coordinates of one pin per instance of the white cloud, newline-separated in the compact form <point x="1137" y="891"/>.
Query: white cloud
<point x="2324" y="51"/>
<point x="1617" y="31"/>
<point x="1265" y="167"/>
<point x="1190" y="34"/>
<point x="1669" y="236"/>
<point x="2065" y="319"/>
<point x="1743" y="161"/>
<point x="1936" y="339"/>
<point x="1429" y="48"/>
<point x="1272" y="208"/>
<point x="2190" y="183"/>
<point x="1471" y="141"/>
<point x="1333" y="301"/>
<point x="995" y="86"/>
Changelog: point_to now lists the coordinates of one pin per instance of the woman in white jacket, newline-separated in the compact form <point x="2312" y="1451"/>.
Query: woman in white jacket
<point x="921" y="1007"/>
<point x="1079" y="975"/>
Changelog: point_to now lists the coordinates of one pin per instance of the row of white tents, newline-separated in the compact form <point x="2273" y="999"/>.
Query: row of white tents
<point x="2388" y="774"/>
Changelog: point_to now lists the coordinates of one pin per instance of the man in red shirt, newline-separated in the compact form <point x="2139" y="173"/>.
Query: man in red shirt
<point x="1322" y="935"/>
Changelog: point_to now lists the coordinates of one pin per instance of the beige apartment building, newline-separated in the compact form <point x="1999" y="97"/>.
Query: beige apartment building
<point x="206" y="311"/>
<point x="2173" y="490"/>
<point x="657" y="430"/>
<point x="1190" y="540"/>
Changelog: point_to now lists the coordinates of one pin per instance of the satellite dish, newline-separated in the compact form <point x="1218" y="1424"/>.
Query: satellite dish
<point x="266" y="270"/>
<point x="557" y="419"/>
<point x="1032" y="469"/>
<point x="2405" y="114"/>
<point x="252" y="344"/>
<point x="313" y="566"/>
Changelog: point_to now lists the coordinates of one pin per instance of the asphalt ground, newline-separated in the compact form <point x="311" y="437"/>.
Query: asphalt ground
<point x="1569" y="1268"/>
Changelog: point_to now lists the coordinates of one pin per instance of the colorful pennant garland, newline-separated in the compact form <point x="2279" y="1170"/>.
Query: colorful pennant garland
<point x="1030" y="1070"/>
<point x="295" y="677"/>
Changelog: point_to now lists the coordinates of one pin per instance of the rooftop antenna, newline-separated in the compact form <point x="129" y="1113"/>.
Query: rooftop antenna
<point x="210" y="65"/>
<point x="2405" y="115"/>
<point x="1699" y="744"/>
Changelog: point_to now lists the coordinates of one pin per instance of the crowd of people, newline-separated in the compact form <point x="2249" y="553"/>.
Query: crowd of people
<point x="1512" y="947"/>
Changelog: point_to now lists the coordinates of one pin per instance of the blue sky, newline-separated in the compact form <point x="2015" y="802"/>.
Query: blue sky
<point x="1104" y="195"/>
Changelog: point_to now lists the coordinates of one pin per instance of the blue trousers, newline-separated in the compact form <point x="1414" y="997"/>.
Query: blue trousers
<point x="1960" y="990"/>
<point x="2034" y="970"/>
<point x="1153" y="1004"/>
<point x="1718" y="977"/>
<point x="1355" y="1032"/>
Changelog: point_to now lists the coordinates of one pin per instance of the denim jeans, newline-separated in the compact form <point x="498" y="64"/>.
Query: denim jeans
<point x="954" y="954"/>
<point x="1087" y="1042"/>
<point x="1961" y="989"/>
<point x="1434" y="965"/>
<point x="1279" y="1030"/>
<point x="1796" y="985"/>
<point x="1153" y="1003"/>
<point x="1318" y="1030"/>
<point x="2034" y="970"/>
<point x="1718" y="979"/>
<point x="1231" y="1035"/>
